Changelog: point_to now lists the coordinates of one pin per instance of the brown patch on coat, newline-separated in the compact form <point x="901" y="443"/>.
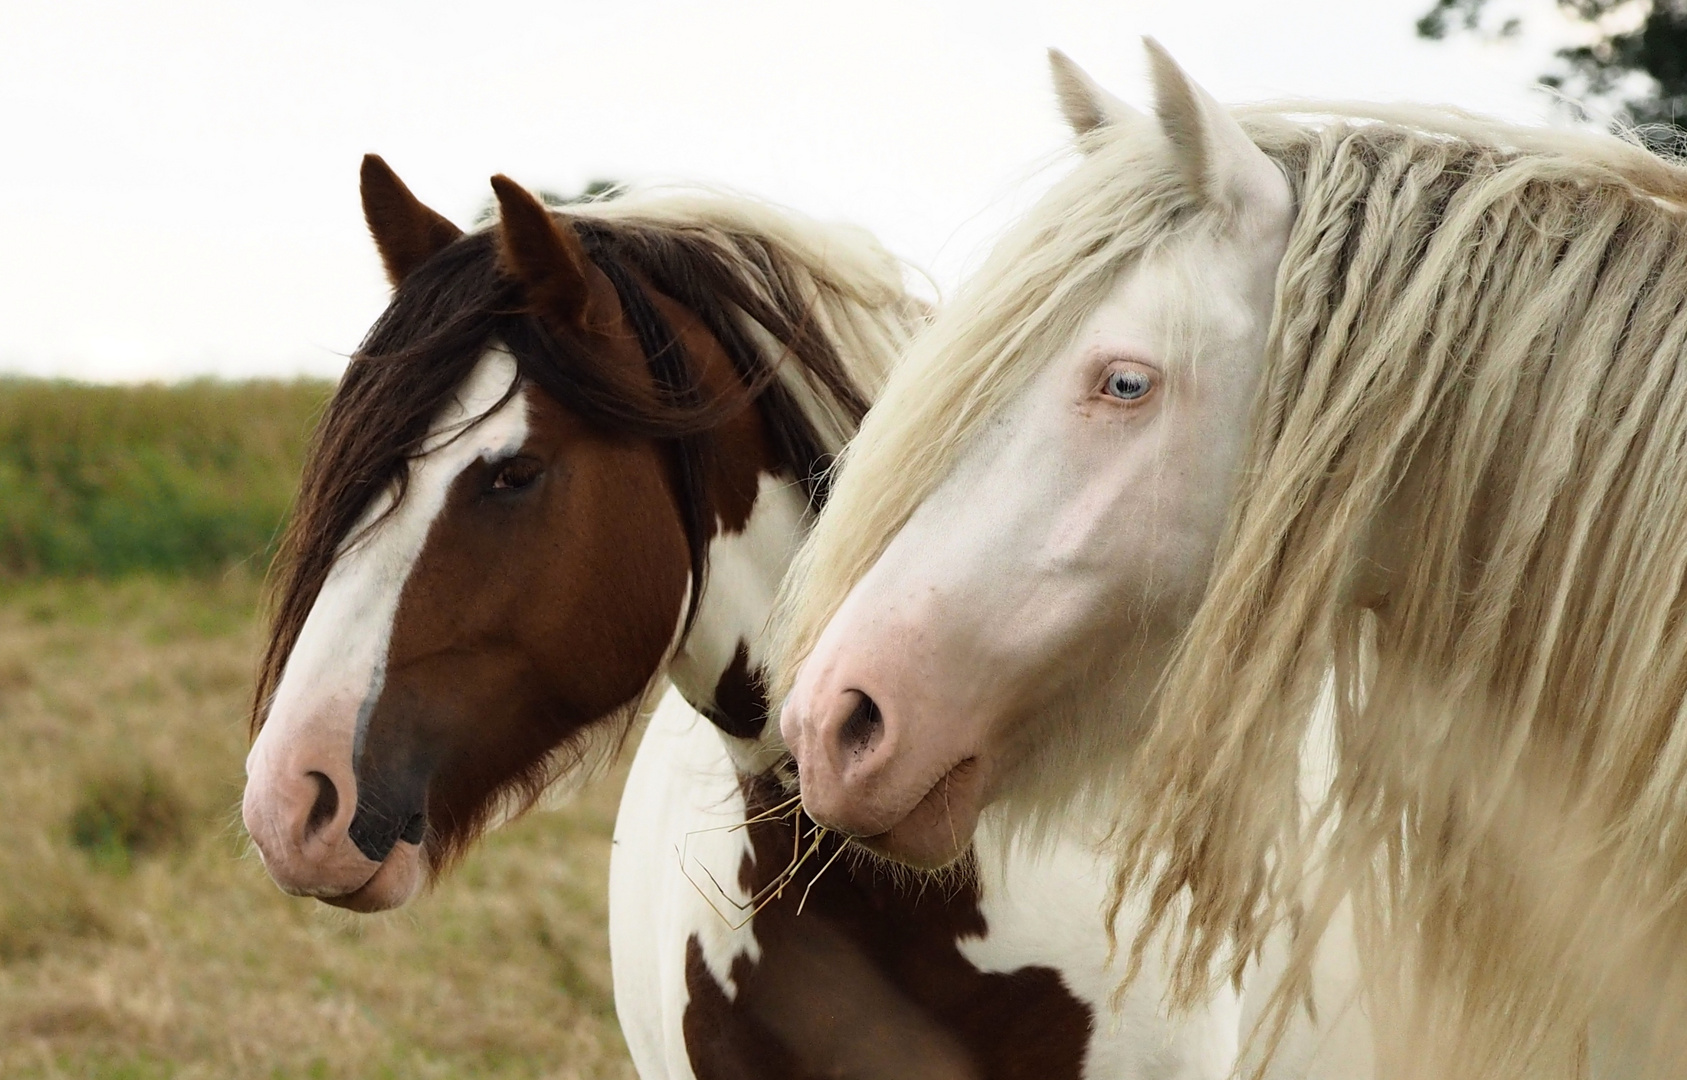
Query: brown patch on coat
<point x="739" y="450"/>
<point x="869" y="981"/>
<point x="739" y="706"/>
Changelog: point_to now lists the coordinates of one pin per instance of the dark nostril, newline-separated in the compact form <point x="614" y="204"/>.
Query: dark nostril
<point x="863" y="726"/>
<point x="327" y="804"/>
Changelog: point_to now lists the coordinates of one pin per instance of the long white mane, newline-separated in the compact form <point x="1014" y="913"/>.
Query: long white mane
<point x="1475" y="370"/>
<point x="858" y="289"/>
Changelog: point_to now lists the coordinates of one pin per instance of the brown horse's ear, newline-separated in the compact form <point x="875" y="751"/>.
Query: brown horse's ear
<point x="545" y="255"/>
<point x="406" y="233"/>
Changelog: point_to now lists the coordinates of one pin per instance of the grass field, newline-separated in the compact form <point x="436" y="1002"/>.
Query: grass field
<point x="138" y="939"/>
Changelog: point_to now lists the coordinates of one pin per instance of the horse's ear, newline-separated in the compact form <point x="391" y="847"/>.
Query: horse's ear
<point x="1216" y="157"/>
<point x="406" y="233"/>
<point x="545" y="255"/>
<point x="1083" y="102"/>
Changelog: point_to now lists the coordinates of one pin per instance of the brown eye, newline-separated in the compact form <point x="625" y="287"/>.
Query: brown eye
<point x="515" y="474"/>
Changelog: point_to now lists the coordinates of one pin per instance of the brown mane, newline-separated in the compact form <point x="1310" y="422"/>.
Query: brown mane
<point x="455" y="305"/>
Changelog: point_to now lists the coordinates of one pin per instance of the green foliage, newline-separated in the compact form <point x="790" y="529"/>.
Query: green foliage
<point x="1466" y="13"/>
<point x="125" y="813"/>
<point x="1656" y="48"/>
<point x="108" y="480"/>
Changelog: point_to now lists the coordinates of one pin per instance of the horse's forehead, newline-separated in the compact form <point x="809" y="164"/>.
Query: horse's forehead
<point x="478" y="423"/>
<point x="1187" y="296"/>
<point x="481" y="395"/>
<point x="482" y="421"/>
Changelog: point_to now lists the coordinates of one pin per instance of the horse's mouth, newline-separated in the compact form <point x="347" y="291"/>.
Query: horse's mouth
<point x="398" y="878"/>
<point x="939" y="828"/>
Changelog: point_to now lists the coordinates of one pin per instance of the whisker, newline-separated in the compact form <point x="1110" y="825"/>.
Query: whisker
<point x="949" y="814"/>
<point x="796" y="839"/>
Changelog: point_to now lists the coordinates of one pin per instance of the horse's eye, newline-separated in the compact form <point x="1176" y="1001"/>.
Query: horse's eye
<point x="516" y="473"/>
<point x="1127" y="385"/>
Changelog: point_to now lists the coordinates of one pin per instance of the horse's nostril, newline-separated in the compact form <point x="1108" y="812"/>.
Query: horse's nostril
<point x="863" y="727"/>
<point x="327" y="804"/>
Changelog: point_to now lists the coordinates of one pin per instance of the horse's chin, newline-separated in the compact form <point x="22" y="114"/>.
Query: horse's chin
<point x="939" y="829"/>
<point x="397" y="879"/>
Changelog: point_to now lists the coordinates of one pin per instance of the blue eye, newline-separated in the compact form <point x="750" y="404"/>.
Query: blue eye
<point x="1127" y="385"/>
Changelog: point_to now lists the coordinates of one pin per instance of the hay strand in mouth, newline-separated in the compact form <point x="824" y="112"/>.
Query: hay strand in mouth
<point x="815" y="880"/>
<point x="774" y="889"/>
<point x="801" y="855"/>
<point x="777" y="813"/>
<point x="790" y="809"/>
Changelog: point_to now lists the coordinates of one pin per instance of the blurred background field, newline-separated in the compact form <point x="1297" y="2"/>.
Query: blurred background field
<point x="138" y="938"/>
<point x="109" y="480"/>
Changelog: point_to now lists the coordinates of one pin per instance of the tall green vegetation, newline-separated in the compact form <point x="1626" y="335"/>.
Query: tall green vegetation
<point x="108" y="480"/>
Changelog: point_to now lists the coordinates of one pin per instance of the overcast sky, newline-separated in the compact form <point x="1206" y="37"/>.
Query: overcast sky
<point x="178" y="179"/>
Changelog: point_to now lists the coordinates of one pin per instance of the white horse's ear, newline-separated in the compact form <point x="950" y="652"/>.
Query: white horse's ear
<point x="1083" y="102"/>
<point x="1216" y="157"/>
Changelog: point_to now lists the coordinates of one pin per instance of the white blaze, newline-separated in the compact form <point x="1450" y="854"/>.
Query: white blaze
<point x="336" y="669"/>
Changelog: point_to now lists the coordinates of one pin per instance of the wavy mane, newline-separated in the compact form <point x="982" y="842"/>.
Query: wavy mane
<point x="834" y="280"/>
<point x="1477" y="348"/>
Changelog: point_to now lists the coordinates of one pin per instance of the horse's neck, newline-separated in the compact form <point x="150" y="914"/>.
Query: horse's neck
<point x="718" y="666"/>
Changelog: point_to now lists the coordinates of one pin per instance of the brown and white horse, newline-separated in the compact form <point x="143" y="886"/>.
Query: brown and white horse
<point x="573" y="458"/>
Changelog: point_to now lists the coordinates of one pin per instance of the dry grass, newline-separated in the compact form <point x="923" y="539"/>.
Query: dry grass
<point x="138" y="940"/>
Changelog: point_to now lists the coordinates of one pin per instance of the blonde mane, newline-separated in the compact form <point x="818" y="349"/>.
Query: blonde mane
<point x="857" y="289"/>
<point x="1475" y="354"/>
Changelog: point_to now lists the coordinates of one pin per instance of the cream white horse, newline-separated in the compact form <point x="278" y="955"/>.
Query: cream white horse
<point x="1248" y="398"/>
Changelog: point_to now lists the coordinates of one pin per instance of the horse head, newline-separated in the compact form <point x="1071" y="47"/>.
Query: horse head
<point x="502" y="537"/>
<point x="1079" y="509"/>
